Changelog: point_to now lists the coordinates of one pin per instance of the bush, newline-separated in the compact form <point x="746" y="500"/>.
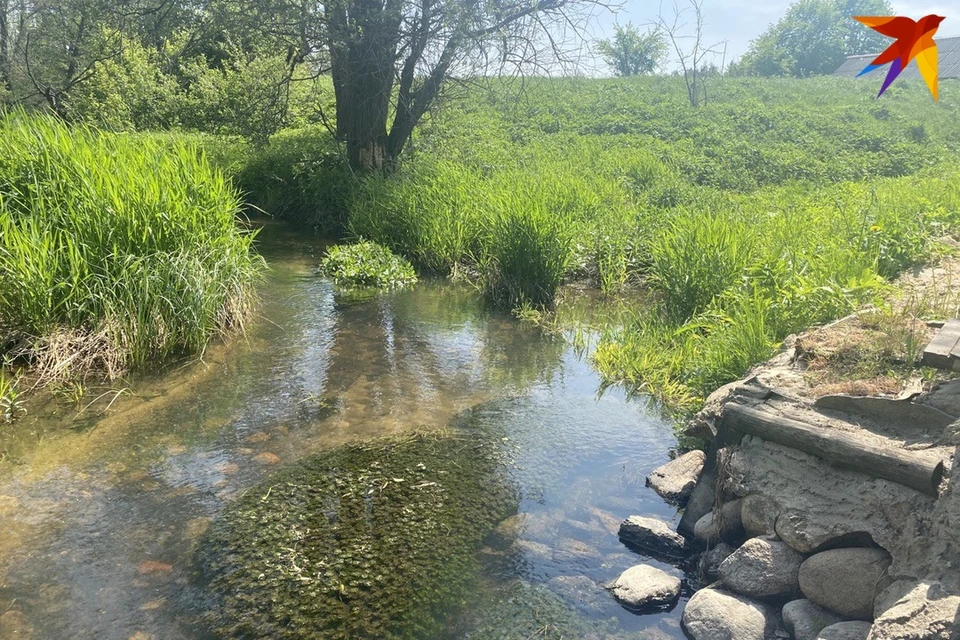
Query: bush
<point x="302" y="176"/>
<point x="366" y="264"/>
<point x="115" y="251"/>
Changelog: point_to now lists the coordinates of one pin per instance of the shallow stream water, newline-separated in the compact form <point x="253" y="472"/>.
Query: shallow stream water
<point x="100" y="512"/>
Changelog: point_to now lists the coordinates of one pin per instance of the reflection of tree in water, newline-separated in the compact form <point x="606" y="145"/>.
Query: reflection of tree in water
<point x="422" y="355"/>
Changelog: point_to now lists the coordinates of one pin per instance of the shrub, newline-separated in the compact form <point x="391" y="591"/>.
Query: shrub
<point x="366" y="264"/>
<point x="115" y="251"/>
<point x="302" y="176"/>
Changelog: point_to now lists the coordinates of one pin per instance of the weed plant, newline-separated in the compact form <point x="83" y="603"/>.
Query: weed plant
<point x="366" y="264"/>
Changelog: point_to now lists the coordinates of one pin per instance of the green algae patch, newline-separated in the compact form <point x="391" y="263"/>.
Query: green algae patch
<point x="374" y="540"/>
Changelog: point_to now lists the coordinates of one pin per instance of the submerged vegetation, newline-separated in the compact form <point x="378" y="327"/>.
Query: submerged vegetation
<point x="366" y="264"/>
<point x="372" y="540"/>
<point x="115" y="251"/>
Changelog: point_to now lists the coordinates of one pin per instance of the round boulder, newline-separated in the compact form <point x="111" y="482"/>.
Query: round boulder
<point x="758" y="514"/>
<point x="644" y="587"/>
<point x="675" y="480"/>
<point x="726" y="525"/>
<point x="716" y="615"/>
<point x="763" y="568"/>
<point x="846" y="581"/>
<point x="804" y="620"/>
<point x="653" y="535"/>
<point x="854" y="630"/>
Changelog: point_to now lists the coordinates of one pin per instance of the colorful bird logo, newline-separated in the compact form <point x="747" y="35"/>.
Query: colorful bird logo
<point x="914" y="40"/>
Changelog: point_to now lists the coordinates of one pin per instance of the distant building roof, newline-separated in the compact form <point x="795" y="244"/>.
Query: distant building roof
<point x="948" y="50"/>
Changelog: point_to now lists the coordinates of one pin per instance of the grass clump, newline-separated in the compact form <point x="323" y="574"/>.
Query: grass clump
<point x="374" y="540"/>
<point x="366" y="264"/>
<point x="10" y="402"/>
<point x="115" y="251"/>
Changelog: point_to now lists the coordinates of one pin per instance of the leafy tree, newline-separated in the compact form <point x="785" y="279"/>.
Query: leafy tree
<point x="631" y="53"/>
<point x="813" y="38"/>
<point x="393" y="57"/>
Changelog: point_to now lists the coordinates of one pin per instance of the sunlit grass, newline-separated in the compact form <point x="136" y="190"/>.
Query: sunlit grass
<point x="115" y="252"/>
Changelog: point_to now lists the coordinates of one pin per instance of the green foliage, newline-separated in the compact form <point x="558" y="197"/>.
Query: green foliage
<point x="696" y="258"/>
<point x="10" y="403"/>
<point x="376" y="540"/>
<point x="780" y="204"/>
<point x="302" y="176"/>
<point x="631" y="53"/>
<point x="366" y="264"/>
<point x="813" y="38"/>
<point x="115" y="251"/>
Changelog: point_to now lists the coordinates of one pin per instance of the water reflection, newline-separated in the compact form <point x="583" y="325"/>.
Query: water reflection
<point x="99" y="522"/>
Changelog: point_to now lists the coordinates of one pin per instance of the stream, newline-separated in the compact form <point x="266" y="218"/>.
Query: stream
<point x="101" y="509"/>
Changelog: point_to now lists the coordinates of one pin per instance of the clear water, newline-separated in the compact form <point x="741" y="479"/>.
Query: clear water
<point x="100" y="512"/>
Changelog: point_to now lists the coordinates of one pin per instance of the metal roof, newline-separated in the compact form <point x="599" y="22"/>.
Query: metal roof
<point x="948" y="50"/>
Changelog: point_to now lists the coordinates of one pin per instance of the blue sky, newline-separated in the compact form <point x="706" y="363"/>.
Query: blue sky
<point x="739" y="21"/>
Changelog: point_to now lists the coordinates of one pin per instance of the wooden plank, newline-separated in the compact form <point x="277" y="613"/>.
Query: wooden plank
<point x="913" y="469"/>
<point x="938" y="352"/>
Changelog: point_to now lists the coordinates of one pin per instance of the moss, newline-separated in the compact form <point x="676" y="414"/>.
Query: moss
<point x="373" y="540"/>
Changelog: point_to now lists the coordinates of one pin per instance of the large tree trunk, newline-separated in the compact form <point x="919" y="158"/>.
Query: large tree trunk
<point x="363" y="50"/>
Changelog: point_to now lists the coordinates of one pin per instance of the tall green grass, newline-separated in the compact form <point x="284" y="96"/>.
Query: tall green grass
<point x="115" y="251"/>
<point x="779" y="204"/>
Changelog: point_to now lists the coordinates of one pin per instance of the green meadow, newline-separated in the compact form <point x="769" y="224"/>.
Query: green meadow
<point x="777" y="205"/>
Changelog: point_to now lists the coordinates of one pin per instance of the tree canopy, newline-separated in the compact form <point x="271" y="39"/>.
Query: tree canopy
<point x="813" y="38"/>
<point x="632" y="53"/>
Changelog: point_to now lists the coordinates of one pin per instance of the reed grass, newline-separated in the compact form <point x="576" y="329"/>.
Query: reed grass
<point x="116" y="252"/>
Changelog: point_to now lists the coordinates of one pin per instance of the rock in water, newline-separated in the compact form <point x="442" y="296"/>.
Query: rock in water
<point x="653" y="535"/>
<point x="675" y="480"/>
<point x="581" y="592"/>
<point x="645" y="587"/>
<point x="726" y="525"/>
<point x="763" y="568"/>
<point x="846" y="581"/>
<point x="759" y="515"/>
<point x="856" y="630"/>
<point x="359" y="541"/>
<point x="716" y="615"/>
<point x="804" y="620"/>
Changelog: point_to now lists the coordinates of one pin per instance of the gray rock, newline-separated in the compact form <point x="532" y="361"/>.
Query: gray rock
<point x="726" y="525"/>
<point x="575" y="552"/>
<point x="581" y="592"/>
<point x="539" y="527"/>
<point x="821" y="502"/>
<point x="758" y="514"/>
<point x="763" y="568"/>
<point x="846" y="581"/>
<point x="675" y="480"/>
<point x="917" y="611"/>
<point x="804" y="620"/>
<point x="643" y="587"/>
<point x="716" y="615"/>
<point x="710" y="560"/>
<point x="592" y="532"/>
<point x="654" y="535"/>
<point x="854" y="630"/>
